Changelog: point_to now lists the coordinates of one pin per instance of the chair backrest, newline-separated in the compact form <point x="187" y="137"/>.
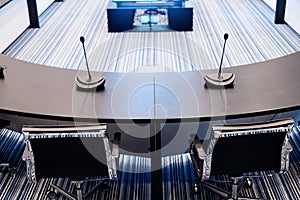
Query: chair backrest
<point x="67" y="151"/>
<point x="242" y="148"/>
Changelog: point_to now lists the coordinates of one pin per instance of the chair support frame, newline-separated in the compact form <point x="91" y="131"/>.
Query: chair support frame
<point x="202" y="160"/>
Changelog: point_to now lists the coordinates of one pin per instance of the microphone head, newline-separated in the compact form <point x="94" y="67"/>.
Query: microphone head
<point x="82" y="39"/>
<point x="225" y="36"/>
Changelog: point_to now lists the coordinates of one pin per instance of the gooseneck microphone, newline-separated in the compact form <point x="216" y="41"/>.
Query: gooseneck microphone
<point x="89" y="82"/>
<point x="220" y="79"/>
<point x="84" y="51"/>
<point x="220" y="67"/>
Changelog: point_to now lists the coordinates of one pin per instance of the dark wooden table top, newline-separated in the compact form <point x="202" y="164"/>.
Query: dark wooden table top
<point x="260" y="88"/>
<point x="47" y="92"/>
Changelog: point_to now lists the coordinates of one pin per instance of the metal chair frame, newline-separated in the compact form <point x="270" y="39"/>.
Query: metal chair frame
<point x="69" y="131"/>
<point x="202" y="158"/>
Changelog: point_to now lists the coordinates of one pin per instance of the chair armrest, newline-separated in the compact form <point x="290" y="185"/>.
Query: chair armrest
<point x="25" y="155"/>
<point x="200" y="151"/>
<point x="115" y="145"/>
<point x="289" y="147"/>
<point x="201" y="160"/>
<point x="285" y="156"/>
<point x="29" y="159"/>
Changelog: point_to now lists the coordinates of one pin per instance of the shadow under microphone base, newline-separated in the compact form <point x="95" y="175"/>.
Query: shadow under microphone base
<point x="86" y="83"/>
<point x="224" y="80"/>
<point x="2" y="68"/>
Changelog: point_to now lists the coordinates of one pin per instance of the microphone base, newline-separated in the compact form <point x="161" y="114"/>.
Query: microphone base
<point x="84" y="83"/>
<point x="224" y="80"/>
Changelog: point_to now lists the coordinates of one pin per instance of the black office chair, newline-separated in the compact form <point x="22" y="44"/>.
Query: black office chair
<point x="75" y="152"/>
<point x="238" y="149"/>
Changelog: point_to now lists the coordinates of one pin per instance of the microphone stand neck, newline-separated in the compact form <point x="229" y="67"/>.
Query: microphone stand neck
<point x="87" y="65"/>
<point x="220" y="67"/>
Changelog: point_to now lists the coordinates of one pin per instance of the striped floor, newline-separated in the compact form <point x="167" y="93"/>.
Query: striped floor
<point x="177" y="177"/>
<point x="253" y="37"/>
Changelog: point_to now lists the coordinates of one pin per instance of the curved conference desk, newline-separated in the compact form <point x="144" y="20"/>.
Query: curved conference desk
<point x="35" y="94"/>
<point x="36" y="91"/>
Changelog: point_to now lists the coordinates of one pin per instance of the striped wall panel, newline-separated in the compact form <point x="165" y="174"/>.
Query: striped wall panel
<point x="253" y="37"/>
